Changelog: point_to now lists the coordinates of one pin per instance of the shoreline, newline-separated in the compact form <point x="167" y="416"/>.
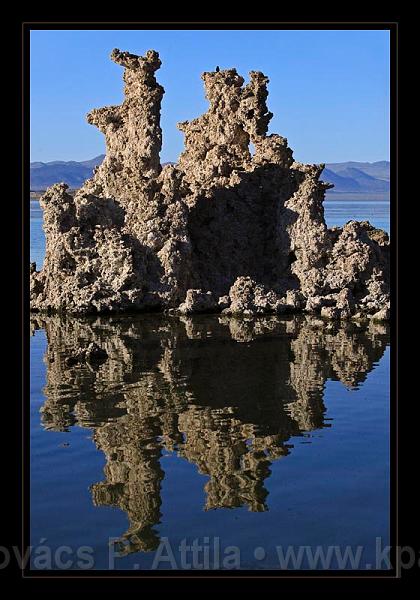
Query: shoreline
<point x="331" y="197"/>
<point x="36" y="194"/>
<point x="356" y="197"/>
<point x="358" y="319"/>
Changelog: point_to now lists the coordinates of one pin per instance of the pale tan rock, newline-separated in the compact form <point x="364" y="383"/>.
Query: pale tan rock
<point x="197" y="301"/>
<point x="381" y="315"/>
<point x="247" y="297"/>
<point x="138" y="236"/>
<point x="330" y="312"/>
<point x="224" y="302"/>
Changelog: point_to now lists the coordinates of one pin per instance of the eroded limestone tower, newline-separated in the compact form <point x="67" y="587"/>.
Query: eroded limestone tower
<point x="222" y="230"/>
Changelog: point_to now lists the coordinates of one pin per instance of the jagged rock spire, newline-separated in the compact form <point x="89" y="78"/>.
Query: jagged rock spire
<point x="220" y="230"/>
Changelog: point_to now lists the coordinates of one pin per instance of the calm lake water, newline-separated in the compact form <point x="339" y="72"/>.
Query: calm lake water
<point x="338" y="212"/>
<point x="254" y="437"/>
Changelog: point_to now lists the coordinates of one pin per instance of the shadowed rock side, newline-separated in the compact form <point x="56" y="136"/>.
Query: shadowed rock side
<point x="219" y="231"/>
<point x="224" y="393"/>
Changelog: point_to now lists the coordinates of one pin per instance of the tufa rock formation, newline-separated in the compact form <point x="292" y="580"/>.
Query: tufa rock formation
<point x="204" y="389"/>
<point x="222" y="230"/>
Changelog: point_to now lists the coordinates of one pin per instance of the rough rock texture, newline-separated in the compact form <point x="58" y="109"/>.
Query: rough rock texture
<point x="196" y="301"/>
<point x="91" y="354"/>
<point x="204" y="388"/>
<point x="223" y="229"/>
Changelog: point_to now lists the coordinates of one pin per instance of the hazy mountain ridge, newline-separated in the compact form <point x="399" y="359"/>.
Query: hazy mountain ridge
<point x="379" y="169"/>
<point x="71" y="172"/>
<point x="358" y="177"/>
<point x="353" y="177"/>
<point x="354" y="180"/>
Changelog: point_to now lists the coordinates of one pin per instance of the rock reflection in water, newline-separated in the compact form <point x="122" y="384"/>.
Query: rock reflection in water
<point x="225" y="394"/>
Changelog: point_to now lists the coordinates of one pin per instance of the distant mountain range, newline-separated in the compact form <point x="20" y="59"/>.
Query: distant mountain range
<point x="347" y="177"/>
<point x="71" y="172"/>
<point x="358" y="177"/>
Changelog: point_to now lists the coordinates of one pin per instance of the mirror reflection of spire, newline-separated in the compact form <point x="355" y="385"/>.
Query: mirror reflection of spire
<point x="196" y="392"/>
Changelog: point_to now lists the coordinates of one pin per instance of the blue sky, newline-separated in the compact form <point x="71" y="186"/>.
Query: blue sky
<point x="328" y="90"/>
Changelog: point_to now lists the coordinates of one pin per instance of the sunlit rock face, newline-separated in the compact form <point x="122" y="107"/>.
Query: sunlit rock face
<point x="221" y="230"/>
<point x="225" y="394"/>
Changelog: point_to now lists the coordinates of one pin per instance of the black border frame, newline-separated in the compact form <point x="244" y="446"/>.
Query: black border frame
<point x="26" y="27"/>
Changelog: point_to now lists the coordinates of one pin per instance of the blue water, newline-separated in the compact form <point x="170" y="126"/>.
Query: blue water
<point x="283" y="436"/>
<point x="338" y="212"/>
<point x="243" y="435"/>
<point x="37" y="244"/>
